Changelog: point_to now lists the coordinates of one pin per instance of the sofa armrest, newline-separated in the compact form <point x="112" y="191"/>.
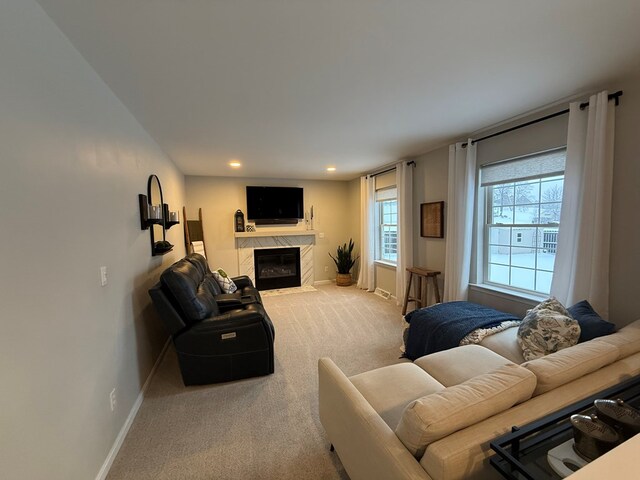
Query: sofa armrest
<point x="366" y="445"/>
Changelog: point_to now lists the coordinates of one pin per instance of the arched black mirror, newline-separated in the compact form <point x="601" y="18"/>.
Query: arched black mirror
<point x="153" y="213"/>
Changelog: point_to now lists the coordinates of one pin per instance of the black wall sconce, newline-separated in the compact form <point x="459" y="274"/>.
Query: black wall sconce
<point x="156" y="216"/>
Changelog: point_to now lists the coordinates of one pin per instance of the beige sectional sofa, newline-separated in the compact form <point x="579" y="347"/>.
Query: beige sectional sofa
<point x="434" y="418"/>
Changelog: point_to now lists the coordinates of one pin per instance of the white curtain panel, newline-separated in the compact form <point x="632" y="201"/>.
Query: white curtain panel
<point x="366" y="276"/>
<point x="582" y="257"/>
<point x="404" y="186"/>
<point x="460" y="200"/>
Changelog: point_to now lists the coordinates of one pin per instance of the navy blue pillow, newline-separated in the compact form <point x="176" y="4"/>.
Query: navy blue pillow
<point x="592" y="325"/>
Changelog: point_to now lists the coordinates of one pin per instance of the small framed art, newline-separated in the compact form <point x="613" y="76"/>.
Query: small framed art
<point x="432" y="220"/>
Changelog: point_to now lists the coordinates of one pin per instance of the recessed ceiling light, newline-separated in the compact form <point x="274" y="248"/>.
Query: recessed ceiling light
<point x="235" y="164"/>
<point x="331" y="169"/>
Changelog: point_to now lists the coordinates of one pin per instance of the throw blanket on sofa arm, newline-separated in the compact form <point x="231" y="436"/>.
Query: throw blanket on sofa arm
<point x="444" y="325"/>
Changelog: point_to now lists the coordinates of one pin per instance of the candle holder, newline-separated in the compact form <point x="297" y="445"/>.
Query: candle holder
<point x="171" y="218"/>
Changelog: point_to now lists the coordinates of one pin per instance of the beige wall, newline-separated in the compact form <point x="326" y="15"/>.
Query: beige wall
<point x="354" y="227"/>
<point x="73" y="163"/>
<point x="625" y="225"/>
<point x="220" y="197"/>
<point x="385" y="278"/>
<point x="430" y="185"/>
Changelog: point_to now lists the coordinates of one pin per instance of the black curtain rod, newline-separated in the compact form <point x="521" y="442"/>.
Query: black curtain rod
<point x="389" y="170"/>
<point x="612" y="96"/>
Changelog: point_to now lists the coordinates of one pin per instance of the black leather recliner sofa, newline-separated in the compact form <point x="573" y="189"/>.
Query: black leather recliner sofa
<point x="218" y="337"/>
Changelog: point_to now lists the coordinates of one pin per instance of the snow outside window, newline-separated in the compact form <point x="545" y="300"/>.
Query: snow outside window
<point x="522" y="218"/>
<point x="387" y="222"/>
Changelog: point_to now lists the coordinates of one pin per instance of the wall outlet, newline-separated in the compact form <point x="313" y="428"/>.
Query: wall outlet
<point x="112" y="399"/>
<point x="326" y="269"/>
<point x="103" y="276"/>
<point x="321" y="235"/>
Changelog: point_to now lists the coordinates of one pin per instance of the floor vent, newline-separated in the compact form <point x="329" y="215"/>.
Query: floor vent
<point x="382" y="293"/>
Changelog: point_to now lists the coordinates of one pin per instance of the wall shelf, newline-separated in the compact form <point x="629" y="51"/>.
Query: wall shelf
<point x="152" y="205"/>
<point x="277" y="233"/>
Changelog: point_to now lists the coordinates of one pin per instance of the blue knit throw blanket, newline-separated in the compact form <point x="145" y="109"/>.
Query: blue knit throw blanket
<point x="443" y="326"/>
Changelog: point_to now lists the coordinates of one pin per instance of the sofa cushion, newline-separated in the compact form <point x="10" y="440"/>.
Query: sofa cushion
<point x="465" y="453"/>
<point x="627" y="339"/>
<point x="390" y="389"/>
<point x="505" y="343"/>
<point x="592" y="325"/>
<point x="457" y="365"/>
<point x="547" y="328"/>
<point x="437" y="415"/>
<point x="566" y="365"/>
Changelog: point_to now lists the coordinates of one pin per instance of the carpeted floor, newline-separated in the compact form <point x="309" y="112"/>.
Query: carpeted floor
<point x="265" y="427"/>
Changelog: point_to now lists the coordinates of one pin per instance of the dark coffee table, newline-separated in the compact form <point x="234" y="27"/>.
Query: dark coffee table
<point x="523" y="453"/>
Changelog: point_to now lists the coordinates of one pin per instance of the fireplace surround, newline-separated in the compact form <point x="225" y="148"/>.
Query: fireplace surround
<point x="248" y="242"/>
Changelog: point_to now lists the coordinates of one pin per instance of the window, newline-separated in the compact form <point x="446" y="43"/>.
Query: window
<point x="387" y="225"/>
<point x="522" y="199"/>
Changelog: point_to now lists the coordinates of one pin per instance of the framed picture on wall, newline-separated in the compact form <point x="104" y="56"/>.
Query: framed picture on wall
<point x="432" y="220"/>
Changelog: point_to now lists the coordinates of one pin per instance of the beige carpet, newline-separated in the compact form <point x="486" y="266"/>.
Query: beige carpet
<point x="265" y="427"/>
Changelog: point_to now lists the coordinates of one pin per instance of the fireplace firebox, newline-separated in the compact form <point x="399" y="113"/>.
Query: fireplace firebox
<point x="277" y="267"/>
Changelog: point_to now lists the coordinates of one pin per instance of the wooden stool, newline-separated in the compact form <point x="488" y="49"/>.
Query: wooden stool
<point x="421" y="296"/>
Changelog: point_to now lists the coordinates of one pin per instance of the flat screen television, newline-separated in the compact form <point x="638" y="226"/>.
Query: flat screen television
<point x="274" y="205"/>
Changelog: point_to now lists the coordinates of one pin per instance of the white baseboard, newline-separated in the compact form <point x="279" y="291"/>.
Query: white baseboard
<point x="106" y="466"/>
<point x="382" y="293"/>
<point x="323" y="282"/>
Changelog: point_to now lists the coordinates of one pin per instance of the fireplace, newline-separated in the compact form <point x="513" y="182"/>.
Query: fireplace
<point x="277" y="267"/>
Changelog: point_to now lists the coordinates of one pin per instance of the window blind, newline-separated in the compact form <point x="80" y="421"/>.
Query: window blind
<point x="389" y="193"/>
<point x="545" y="164"/>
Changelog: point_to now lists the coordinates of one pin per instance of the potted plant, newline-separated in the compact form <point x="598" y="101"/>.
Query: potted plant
<point x="344" y="262"/>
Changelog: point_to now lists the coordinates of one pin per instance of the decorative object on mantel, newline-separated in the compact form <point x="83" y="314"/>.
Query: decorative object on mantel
<point x="308" y="219"/>
<point x="239" y="220"/>
<point x="250" y="227"/>
<point x="432" y="220"/>
<point x="344" y="262"/>
<point x="155" y="214"/>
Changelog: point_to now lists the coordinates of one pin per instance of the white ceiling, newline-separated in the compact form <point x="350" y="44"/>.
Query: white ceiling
<point x="290" y="87"/>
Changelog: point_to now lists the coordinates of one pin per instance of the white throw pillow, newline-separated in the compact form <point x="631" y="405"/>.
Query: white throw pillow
<point x="226" y="284"/>
<point x="546" y="329"/>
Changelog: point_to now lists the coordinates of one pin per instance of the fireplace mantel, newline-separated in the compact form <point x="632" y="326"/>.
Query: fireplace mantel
<point x="275" y="233"/>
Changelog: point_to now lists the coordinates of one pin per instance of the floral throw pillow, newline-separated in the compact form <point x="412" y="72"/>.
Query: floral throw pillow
<point x="546" y="329"/>
<point x="226" y="284"/>
<point x="551" y="304"/>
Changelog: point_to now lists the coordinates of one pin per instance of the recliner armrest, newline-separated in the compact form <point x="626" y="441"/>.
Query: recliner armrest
<point x="228" y="319"/>
<point x="216" y="334"/>
<point x="227" y="301"/>
<point x="242" y="282"/>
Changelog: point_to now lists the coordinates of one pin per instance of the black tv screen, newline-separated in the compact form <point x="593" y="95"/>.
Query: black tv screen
<point x="274" y="205"/>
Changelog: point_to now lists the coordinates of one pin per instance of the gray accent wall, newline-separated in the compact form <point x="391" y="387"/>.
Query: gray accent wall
<point x="73" y="162"/>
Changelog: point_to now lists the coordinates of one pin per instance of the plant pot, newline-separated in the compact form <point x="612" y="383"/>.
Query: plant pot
<point x="343" y="279"/>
